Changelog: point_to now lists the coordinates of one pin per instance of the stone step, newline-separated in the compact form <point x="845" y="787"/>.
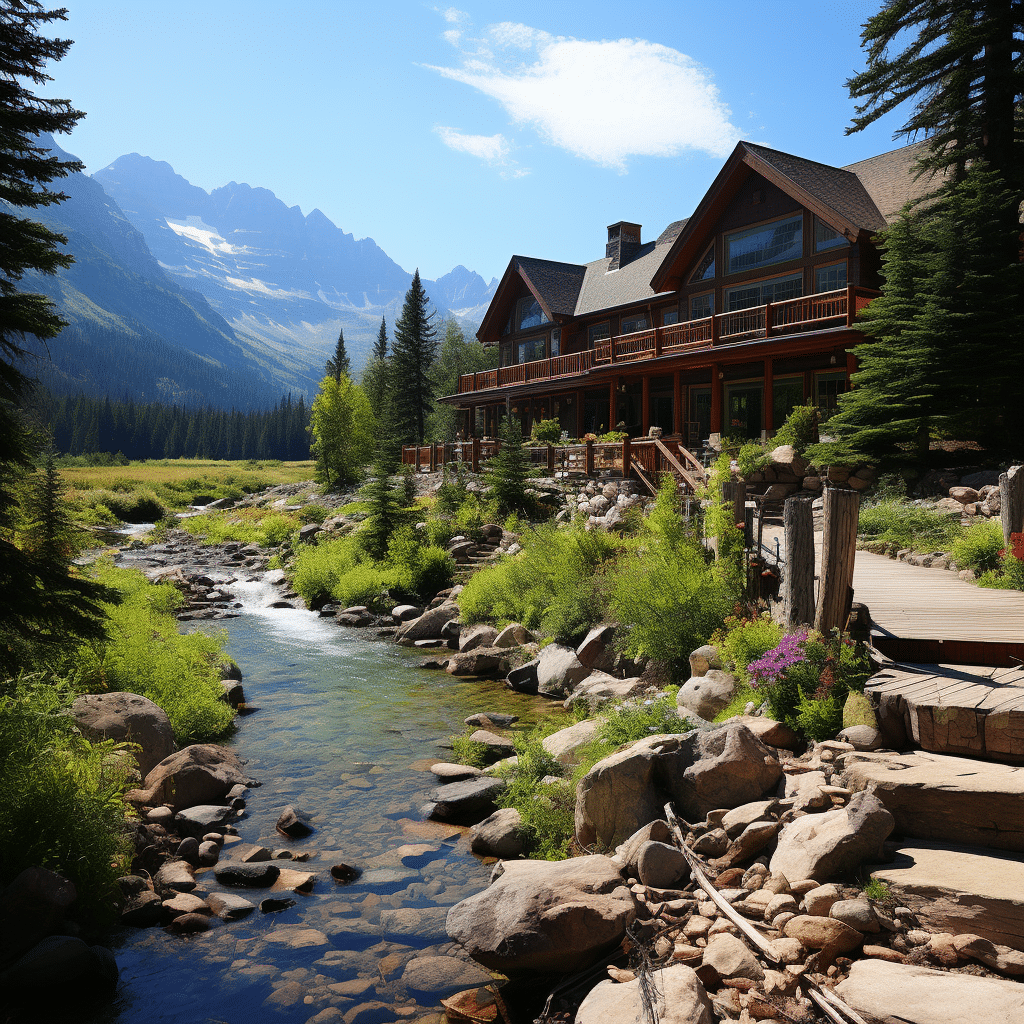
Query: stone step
<point x="944" y="799"/>
<point x="960" y="889"/>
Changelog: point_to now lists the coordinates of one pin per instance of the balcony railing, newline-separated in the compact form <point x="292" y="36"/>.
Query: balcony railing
<point x="826" y="309"/>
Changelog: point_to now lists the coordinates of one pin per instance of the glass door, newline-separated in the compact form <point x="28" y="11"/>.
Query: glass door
<point x="744" y="409"/>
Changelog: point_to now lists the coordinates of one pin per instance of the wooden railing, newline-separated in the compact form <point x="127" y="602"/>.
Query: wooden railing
<point x="755" y="323"/>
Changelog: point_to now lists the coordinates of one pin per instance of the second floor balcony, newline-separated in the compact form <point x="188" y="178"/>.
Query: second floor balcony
<point x="792" y="316"/>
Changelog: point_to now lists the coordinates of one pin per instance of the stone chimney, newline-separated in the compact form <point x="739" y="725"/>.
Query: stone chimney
<point x="623" y="243"/>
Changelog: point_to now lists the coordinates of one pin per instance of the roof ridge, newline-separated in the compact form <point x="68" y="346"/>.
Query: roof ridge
<point x="793" y="156"/>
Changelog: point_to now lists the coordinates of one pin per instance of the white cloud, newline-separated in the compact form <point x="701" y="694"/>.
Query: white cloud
<point x="492" y="148"/>
<point x="604" y="100"/>
<point x="453" y="15"/>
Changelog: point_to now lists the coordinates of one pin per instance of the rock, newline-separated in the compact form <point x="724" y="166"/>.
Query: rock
<point x="964" y="495"/>
<point x="143" y="910"/>
<point x="260" y="875"/>
<point x="947" y="799"/>
<point x="308" y="533"/>
<point x="177" y="875"/>
<point x="544" y="916"/>
<point x="459" y="801"/>
<point x="480" y="635"/>
<point x="294" y="823"/>
<point x="927" y="996"/>
<point x="126" y="717"/>
<point x="819" y="902"/>
<point x="562" y="745"/>
<point x="492" y="720"/>
<point x="344" y="873"/>
<point x="712" y="844"/>
<point x="293" y="880"/>
<point x="704" y="658"/>
<point x="699" y="771"/>
<point x="451" y="771"/>
<point x="823" y="846"/>
<point x="780" y="903"/>
<point x="999" y="958"/>
<point x="228" y="906"/>
<point x="428" y="625"/>
<point x="189" y="924"/>
<point x="819" y="932"/>
<point x="188" y="849"/>
<point x="524" y="678"/>
<point x="628" y="854"/>
<point x="209" y="853"/>
<point x="198" y="820"/>
<point x="200" y="774"/>
<point x="678" y="996"/>
<point x="496" y="747"/>
<point x="60" y="971"/>
<point x="862" y="737"/>
<point x="768" y="731"/>
<point x="558" y="671"/>
<point x="858" y="913"/>
<point x="599" y="687"/>
<point x="705" y="696"/>
<point x="751" y="841"/>
<point x="275" y="904"/>
<point x="481" y="661"/>
<point x="498" y="835"/>
<point x="184" y="903"/>
<point x="513" y="635"/>
<point x="662" y="866"/>
<point x="736" y="820"/>
<point x="960" y="889"/>
<point x="785" y="457"/>
<point x="32" y="906"/>
<point x="596" y="653"/>
<point x="730" y="958"/>
<point x="807" y="791"/>
<point x="405" y="612"/>
<point x="440" y="976"/>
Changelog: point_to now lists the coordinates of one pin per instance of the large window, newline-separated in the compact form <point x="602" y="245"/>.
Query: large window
<point x="830" y="278"/>
<point x="760" y="247"/>
<point x="705" y="270"/>
<point x="702" y="305"/>
<point x="775" y="289"/>
<point x="787" y="394"/>
<point x="528" y="314"/>
<point x="532" y="349"/>
<point x="599" y="332"/>
<point x="634" y="324"/>
<point x="670" y="316"/>
<point x="826" y="237"/>
<point x="828" y="387"/>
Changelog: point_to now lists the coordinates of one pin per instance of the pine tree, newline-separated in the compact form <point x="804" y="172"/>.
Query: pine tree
<point x="339" y="364"/>
<point x="411" y="360"/>
<point x="385" y="500"/>
<point x="508" y="471"/>
<point x="377" y="382"/>
<point x="380" y="347"/>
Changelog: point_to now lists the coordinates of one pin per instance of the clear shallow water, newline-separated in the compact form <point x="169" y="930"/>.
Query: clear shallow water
<point x="347" y="729"/>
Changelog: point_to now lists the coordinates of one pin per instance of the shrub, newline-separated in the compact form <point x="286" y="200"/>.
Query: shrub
<point x="314" y="512"/>
<point x="745" y="640"/>
<point x="467" y="751"/>
<point x="1010" y="575"/>
<point x="635" y="719"/>
<point x="318" y="567"/>
<point x="276" y="530"/>
<point x="420" y="571"/>
<point x="979" y="546"/>
<point x="509" y="470"/>
<point x="752" y="457"/>
<point x="452" y="492"/>
<point x="800" y="429"/>
<point x="904" y="525"/>
<point x="548" y="431"/>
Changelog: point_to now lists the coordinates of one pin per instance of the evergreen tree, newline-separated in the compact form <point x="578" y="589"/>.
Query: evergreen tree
<point x="338" y="364"/>
<point x="411" y="360"/>
<point x="508" y="471"/>
<point x="380" y="346"/>
<point x="385" y="500"/>
<point x="456" y="357"/>
<point x="377" y="382"/>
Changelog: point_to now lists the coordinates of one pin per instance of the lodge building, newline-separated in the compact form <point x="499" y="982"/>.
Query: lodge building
<point x="722" y="324"/>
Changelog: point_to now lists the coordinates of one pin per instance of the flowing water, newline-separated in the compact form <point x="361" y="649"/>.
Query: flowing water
<point x="347" y="729"/>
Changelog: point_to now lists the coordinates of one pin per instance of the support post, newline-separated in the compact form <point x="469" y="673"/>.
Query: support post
<point x="627" y="457"/>
<point x="612" y="403"/>
<point x="551" y="459"/>
<point x="645" y="406"/>
<point x="475" y="452"/>
<point x="579" y="413"/>
<point x="838" y="550"/>
<point x="589" y="465"/>
<point x="739" y="503"/>
<point x="1011" y="501"/>
<point x="678" y="417"/>
<point x="716" y="401"/>
<point x="769" y="396"/>
<point x="798" y="582"/>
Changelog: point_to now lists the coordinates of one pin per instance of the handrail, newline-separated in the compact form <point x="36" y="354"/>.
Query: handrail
<point x="675" y="463"/>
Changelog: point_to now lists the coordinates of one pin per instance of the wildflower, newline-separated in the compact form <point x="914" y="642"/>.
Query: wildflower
<point x="770" y="668"/>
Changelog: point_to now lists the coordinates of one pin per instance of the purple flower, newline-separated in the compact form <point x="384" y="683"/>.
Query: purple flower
<point x="770" y="668"/>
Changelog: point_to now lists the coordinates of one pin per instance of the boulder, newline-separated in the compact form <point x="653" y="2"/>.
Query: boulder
<point x="599" y="687"/>
<point x="258" y="875"/>
<point x="661" y="866"/>
<point x="428" y="625"/>
<point x="819" y="902"/>
<point x="999" y="958"/>
<point x="440" y="976"/>
<point x="126" y="717"/>
<point x="704" y="658"/>
<point x="964" y="495"/>
<point x="858" y="913"/>
<point x="513" y="635"/>
<point x="730" y="958"/>
<point x="862" y="737"/>
<point x="199" y="820"/>
<point x="200" y="774"/>
<point x="558" y="671"/>
<point x="143" y="910"/>
<point x="228" y="906"/>
<point x="480" y="635"/>
<point x="490" y="719"/>
<point x="294" y="823"/>
<point x="480" y="661"/>
<point x="564" y="744"/>
<point x="595" y="652"/>
<point x="175" y="876"/>
<point x="32" y="906"/>
<point x="705" y="696"/>
<point x="678" y="997"/>
<point x="461" y="801"/>
<point x="524" y="678"/>
<point x="60" y="971"/>
<point x="628" y="854"/>
<point x="699" y="771"/>
<point x="768" y="731"/>
<point x="823" y="846"/>
<point x="495" y="747"/>
<point x="184" y="903"/>
<point x="819" y="932"/>
<point x="308" y="533"/>
<point x="545" y="916"/>
<point x="927" y="996"/>
<point x="405" y="612"/>
<point x="785" y="458"/>
<point x="499" y="835"/>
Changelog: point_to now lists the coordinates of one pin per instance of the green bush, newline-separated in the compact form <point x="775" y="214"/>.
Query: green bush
<point x="978" y="547"/>
<point x="744" y="641"/>
<point x="904" y="525"/>
<point x="636" y="719"/>
<point x="61" y="806"/>
<point x="547" y="431"/>
<point x="421" y="570"/>
<point x="314" y="512"/>
<point x="1009" y="576"/>
<point x="276" y="530"/>
<point x="751" y="458"/>
<point x="800" y="429"/>
<point x="467" y="751"/>
<point x="318" y="567"/>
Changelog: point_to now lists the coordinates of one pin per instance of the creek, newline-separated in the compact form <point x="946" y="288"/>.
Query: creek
<point x="347" y="729"/>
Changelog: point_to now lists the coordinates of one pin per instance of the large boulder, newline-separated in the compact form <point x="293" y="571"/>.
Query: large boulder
<point x="705" y="696"/>
<point x="200" y="774"/>
<point x="564" y="744"/>
<point x="60" y="971"/>
<point x="480" y="635"/>
<point x="596" y="651"/>
<point x="699" y="771"/>
<point x="468" y="801"/>
<point x="126" y="717"/>
<point x="32" y="907"/>
<point x="559" y="671"/>
<point x="599" y="687"/>
<point x="678" y="997"/>
<point x="545" y="917"/>
<point x="499" y="835"/>
<point x="888" y="993"/>
<point x="513" y="635"/>
<point x="824" y="846"/>
<point x="428" y="626"/>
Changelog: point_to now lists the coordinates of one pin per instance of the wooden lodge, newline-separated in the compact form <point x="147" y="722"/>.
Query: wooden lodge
<point x="721" y="325"/>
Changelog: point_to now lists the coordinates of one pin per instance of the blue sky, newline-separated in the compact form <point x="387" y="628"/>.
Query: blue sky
<point x="463" y="134"/>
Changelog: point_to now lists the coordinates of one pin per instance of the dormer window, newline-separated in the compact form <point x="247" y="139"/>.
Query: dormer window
<point x="762" y="246"/>
<point x="826" y="237"/>
<point x="706" y="268"/>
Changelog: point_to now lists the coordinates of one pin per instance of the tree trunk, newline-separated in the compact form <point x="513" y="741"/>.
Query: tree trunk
<point x="839" y="547"/>
<point x="798" y="592"/>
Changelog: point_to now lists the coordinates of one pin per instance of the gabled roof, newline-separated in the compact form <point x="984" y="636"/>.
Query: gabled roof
<point x="891" y="180"/>
<point x="554" y="285"/>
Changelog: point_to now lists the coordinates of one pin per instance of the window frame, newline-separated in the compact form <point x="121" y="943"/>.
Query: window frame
<point x="729" y="237"/>
<point x="712" y="266"/>
<point x="623" y="322"/>
<point x="831" y="266"/>
<point x="710" y="296"/>
<point x="836" y="242"/>
<point x="794" y="276"/>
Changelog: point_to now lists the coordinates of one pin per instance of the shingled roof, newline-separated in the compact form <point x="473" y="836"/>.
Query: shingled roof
<point x="890" y="179"/>
<point x="557" y="284"/>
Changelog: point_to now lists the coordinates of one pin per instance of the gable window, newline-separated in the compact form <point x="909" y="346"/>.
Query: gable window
<point x="706" y="268"/>
<point x="830" y="278"/>
<point x="634" y="324"/>
<point x="775" y="289"/>
<point x="826" y="237"/>
<point x="598" y="333"/>
<point x="761" y="246"/>
<point x="702" y="305"/>
<point x="528" y="314"/>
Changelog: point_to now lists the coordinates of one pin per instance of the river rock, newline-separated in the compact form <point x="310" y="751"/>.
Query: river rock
<point x="32" y="906"/>
<point x="480" y="635"/>
<point x="495" y="746"/>
<point x="858" y="913"/>
<point x="428" y="625"/>
<point x="198" y="820"/>
<point x="260" y="875"/>
<point x="823" y="846"/>
<point x="596" y="652"/>
<point x="661" y="866"/>
<point x="819" y="932"/>
<point x="599" y="687"/>
<point x="558" y="671"/>
<point x="440" y="976"/>
<point x="679" y="998"/>
<point x="705" y="696"/>
<point x="524" y="678"/>
<point x="513" y="635"/>
<point x="126" y="717"/>
<point x="459" y="801"/>
<point x="189" y="924"/>
<point x="544" y="916"/>
<point x="498" y="835"/>
<point x="184" y="903"/>
<point x="491" y="720"/>
<point x="60" y="971"/>
<point x="627" y="856"/>
<point x="405" y="612"/>
<point x="177" y="875"/>
<point x="730" y="958"/>
<point x="480" y="661"/>
<point x="229" y="906"/>
<point x="294" y="823"/>
<point x="818" y="902"/>
<point x="699" y="771"/>
<point x="564" y="744"/>
<point x="143" y="910"/>
<point x="926" y="996"/>
<point x="199" y="774"/>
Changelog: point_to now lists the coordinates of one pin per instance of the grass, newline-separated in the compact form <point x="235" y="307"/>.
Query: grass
<point x="899" y="524"/>
<point x="264" y="526"/>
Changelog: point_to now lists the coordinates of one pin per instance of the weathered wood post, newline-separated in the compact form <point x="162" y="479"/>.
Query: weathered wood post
<point x="475" y="455"/>
<point x="838" y="550"/>
<point x="1011" y="501"/>
<point x="739" y="503"/>
<point x="627" y="457"/>
<point x="551" y="460"/>
<point x="589" y="464"/>
<point x="798" y="584"/>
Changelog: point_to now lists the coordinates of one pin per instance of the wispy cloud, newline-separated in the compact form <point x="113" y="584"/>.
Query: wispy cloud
<point x="604" y="100"/>
<point x="492" y="148"/>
